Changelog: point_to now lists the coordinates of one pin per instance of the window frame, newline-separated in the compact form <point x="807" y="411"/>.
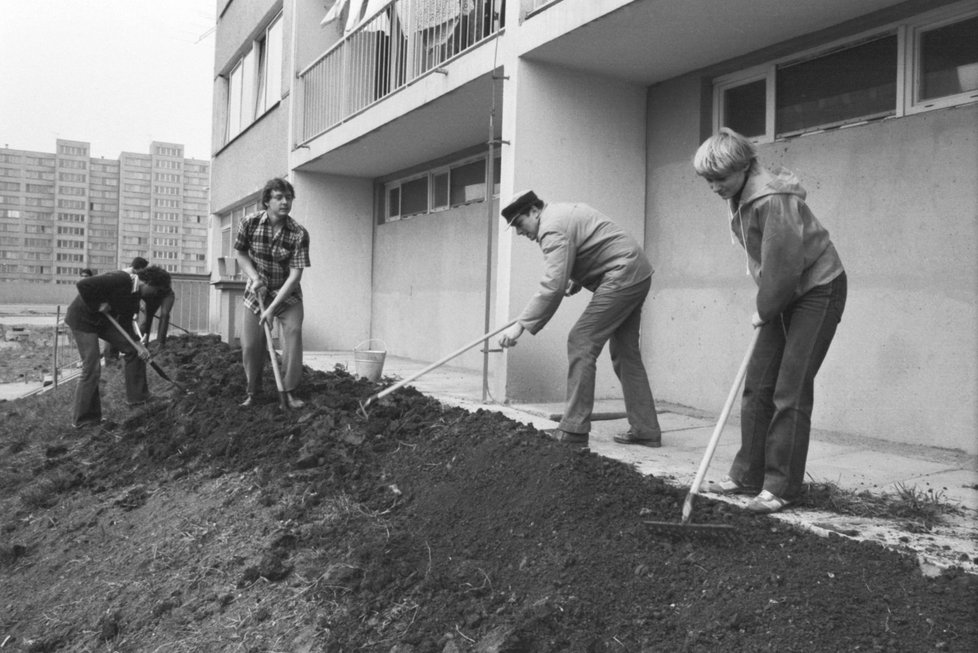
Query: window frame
<point x="247" y="80"/>
<point x="431" y="174"/>
<point x="908" y="66"/>
<point x="913" y="61"/>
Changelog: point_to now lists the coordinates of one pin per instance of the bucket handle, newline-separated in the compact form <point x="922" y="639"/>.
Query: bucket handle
<point x="367" y="342"/>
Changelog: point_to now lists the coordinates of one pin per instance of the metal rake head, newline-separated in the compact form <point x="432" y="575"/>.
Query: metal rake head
<point x="686" y="530"/>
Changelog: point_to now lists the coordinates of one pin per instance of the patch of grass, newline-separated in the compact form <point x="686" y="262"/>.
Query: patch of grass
<point x="44" y="492"/>
<point x="921" y="508"/>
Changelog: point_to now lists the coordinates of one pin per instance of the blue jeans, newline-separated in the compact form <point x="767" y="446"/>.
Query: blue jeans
<point x="613" y="315"/>
<point x="776" y="411"/>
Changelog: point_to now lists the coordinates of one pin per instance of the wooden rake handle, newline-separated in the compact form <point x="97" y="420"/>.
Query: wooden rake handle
<point x="721" y="422"/>
<point x="438" y="363"/>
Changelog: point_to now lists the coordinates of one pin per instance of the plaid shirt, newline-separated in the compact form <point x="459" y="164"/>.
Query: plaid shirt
<point x="273" y="256"/>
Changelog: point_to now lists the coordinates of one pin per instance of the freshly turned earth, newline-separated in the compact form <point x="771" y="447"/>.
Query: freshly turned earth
<point x="191" y="524"/>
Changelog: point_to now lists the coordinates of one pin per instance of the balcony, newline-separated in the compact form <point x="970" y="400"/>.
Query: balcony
<point x="387" y="51"/>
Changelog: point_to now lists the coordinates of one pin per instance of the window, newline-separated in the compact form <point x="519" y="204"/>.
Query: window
<point x="438" y="189"/>
<point x="72" y="231"/>
<point x="72" y="150"/>
<point x="856" y="80"/>
<point x="71" y="217"/>
<point x="946" y="65"/>
<point x="414" y="196"/>
<point x="9" y="213"/>
<point x="71" y="190"/>
<point x="173" y="204"/>
<point x="71" y="163"/>
<point x="255" y="82"/>
<point x="10" y="185"/>
<point x="72" y="176"/>
<point x="162" y="150"/>
<point x="854" y="84"/>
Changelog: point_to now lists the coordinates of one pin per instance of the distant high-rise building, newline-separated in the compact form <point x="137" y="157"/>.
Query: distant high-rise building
<point x="62" y="212"/>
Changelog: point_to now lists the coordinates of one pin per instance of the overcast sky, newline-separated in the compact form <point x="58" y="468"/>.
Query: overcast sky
<point x="115" y="73"/>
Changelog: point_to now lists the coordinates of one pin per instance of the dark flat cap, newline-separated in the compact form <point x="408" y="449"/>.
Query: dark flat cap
<point x="519" y="205"/>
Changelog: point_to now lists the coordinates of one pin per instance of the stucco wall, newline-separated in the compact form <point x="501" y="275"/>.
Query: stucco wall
<point x="900" y="198"/>
<point x="338" y="214"/>
<point x="251" y="159"/>
<point x="430" y="283"/>
<point x="576" y="138"/>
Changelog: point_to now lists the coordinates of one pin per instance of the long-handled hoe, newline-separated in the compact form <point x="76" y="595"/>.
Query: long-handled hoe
<point x="438" y="363"/>
<point x="685" y="527"/>
<point x="282" y="398"/>
<point x="156" y="368"/>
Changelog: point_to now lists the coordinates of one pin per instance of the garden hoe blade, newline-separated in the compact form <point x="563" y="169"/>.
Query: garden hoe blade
<point x="152" y="363"/>
<point x="712" y="530"/>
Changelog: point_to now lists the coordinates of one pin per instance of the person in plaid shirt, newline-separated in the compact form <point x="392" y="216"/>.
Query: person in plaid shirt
<point x="272" y="250"/>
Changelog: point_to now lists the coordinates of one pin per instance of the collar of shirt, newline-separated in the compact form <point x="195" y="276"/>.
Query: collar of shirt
<point x="266" y="221"/>
<point x="135" y="282"/>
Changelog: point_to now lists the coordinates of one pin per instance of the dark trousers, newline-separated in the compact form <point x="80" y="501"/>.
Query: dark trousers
<point x="776" y="412"/>
<point x="87" y="405"/>
<point x="615" y="316"/>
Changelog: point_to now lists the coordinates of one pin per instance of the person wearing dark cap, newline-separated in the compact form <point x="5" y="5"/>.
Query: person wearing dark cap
<point x="583" y="248"/>
<point x="116" y="294"/>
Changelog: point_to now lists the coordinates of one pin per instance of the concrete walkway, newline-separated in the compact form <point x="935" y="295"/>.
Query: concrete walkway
<point x="850" y="462"/>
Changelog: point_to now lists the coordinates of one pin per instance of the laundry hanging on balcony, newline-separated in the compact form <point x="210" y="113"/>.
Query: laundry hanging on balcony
<point x="434" y="20"/>
<point x="358" y="12"/>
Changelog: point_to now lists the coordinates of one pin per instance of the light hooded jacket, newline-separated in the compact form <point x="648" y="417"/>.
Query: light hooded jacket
<point x="581" y="245"/>
<point x="788" y="250"/>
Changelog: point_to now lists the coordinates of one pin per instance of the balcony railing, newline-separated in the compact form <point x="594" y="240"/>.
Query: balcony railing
<point x="403" y="41"/>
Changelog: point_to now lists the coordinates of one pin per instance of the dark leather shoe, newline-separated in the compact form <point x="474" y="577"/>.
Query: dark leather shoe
<point x="250" y="400"/>
<point x="631" y="438"/>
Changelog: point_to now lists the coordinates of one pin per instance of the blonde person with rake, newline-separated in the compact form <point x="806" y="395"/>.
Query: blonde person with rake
<point x="801" y="294"/>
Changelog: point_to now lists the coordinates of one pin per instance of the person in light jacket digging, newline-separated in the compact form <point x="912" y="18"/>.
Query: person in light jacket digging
<point x="583" y="248"/>
<point x="116" y="294"/>
<point x="801" y="294"/>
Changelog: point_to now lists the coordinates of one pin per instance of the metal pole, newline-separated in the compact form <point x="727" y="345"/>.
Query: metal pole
<point x="57" y="322"/>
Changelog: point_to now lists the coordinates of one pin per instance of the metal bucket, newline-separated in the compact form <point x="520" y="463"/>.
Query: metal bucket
<point x="368" y="360"/>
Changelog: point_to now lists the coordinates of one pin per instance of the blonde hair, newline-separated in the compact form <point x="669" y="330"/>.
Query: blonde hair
<point x="724" y="153"/>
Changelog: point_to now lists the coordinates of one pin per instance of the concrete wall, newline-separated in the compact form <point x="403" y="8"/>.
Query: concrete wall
<point x="575" y="138"/>
<point x="429" y="290"/>
<point x="900" y="198"/>
<point x="338" y="214"/>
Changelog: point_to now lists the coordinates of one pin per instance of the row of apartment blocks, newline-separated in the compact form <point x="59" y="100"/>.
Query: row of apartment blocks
<point x="65" y="211"/>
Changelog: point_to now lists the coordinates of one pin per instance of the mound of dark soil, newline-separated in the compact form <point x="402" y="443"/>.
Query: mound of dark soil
<point x="195" y="525"/>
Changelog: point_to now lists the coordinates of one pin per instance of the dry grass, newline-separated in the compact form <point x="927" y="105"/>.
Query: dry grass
<point x="920" y="509"/>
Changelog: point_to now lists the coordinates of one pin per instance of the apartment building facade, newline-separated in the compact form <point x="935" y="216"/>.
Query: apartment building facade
<point x="402" y="123"/>
<point x="65" y="211"/>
